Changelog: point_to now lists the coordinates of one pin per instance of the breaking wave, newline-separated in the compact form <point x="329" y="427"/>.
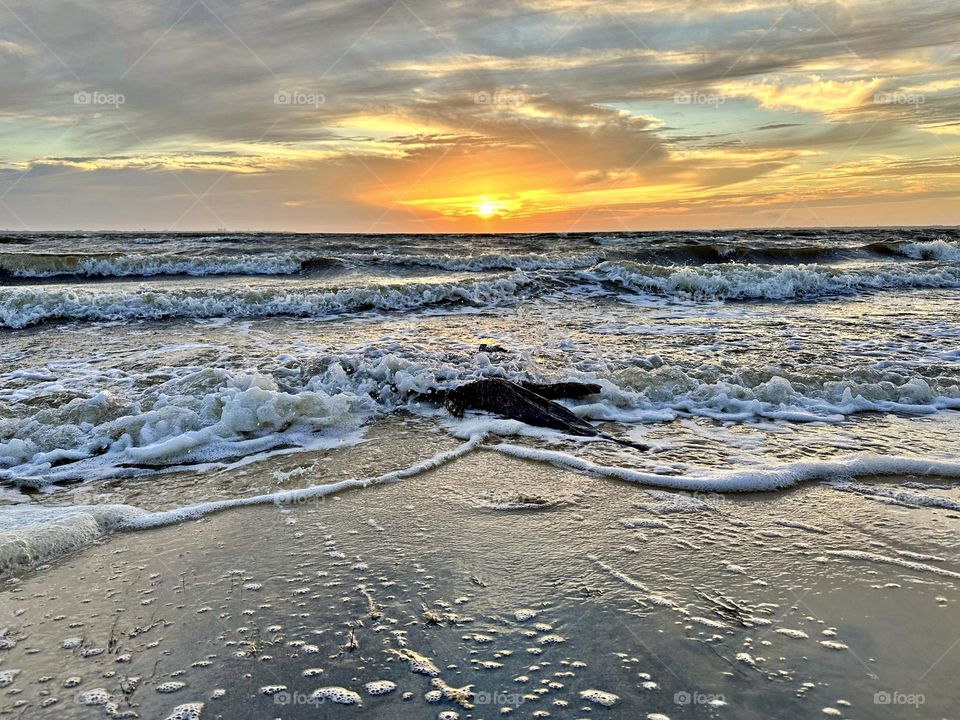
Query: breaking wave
<point x="931" y="250"/>
<point x="662" y="258"/>
<point x="43" y="265"/>
<point x="203" y="417"/>
<point x="121" y="265"/>
<point x="28" y="305"/>
<point x="72" y="427"/>
<point x="21" y="307"/>
<point x="773" y="282"/>
<point x="493" y="261"/>
<point x="821" y="394"/>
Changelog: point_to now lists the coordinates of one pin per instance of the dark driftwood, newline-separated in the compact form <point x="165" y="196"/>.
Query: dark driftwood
<point x="557" y="391"/>
<point x="506" y="398"/>
<point x="530" y="403"/>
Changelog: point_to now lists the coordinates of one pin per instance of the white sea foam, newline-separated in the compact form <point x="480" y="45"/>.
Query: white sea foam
<point x="898" y="495"/>
<point x="116" y="424"/>
<point x="901" y="562"/>
<point x="122" y="425"/>
<point x="756" y="479"/>
<point x="735" y="281"/>
<point x="205" y="416"/>
<point x="493" y="261"/>
<point x="931" y="250"/>
<point x="821" y="394"/>
<point x="24" y="306"/>
<point x="135" y="265"/>
<point x="31" y="534"/>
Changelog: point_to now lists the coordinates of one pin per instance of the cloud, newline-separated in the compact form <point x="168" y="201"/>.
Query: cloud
<point x="815" y="95"/>
<point x="581" y="106"/>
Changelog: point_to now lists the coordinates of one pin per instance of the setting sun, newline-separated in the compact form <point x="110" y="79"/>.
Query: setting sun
<point x="489" y="208"/>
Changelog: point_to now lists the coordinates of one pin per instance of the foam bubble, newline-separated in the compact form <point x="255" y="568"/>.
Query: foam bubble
<point x="459" y="695"/>
<point x="7" y="677"/>
<point x="95" y="697"/>
<point x="171" y="686"/>
<point x="338" y="694"/>
<point x="187" y="711"/>
<point x="792" y="633"/>
<point x="599" y="697"/>
<point x="834" y="645"/>
<point x="380" y="687"/>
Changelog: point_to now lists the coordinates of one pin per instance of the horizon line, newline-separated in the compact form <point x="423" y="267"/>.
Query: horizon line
<point x="490" y="232"/>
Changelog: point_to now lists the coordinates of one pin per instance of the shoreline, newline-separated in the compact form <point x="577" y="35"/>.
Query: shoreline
<point x="79" y="525"/>
<point x="602" y="555"/>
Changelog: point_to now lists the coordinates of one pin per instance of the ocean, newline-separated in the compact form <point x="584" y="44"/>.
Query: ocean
<point x="242" y="409"/>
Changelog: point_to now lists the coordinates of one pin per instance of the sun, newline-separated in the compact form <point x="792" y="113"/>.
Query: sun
<point x="488" y="208"/>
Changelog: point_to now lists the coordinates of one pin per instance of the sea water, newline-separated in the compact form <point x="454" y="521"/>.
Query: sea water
<point x="150" y="380"/>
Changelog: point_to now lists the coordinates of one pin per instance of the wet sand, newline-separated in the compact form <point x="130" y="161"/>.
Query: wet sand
<point x="533" y="585"/>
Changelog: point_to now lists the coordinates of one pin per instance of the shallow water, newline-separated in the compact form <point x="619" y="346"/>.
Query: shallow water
<point x="631" y="585"/>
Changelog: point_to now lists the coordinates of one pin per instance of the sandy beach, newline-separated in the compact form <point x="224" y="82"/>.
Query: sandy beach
<point x="534" y="586"/>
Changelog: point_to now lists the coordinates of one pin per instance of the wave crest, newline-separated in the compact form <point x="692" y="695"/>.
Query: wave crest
<point x="21" y="307"/>
<point x="492" y="261"/>
<point x="932" y="250"/>
<point x="772" y="282"/>
<point x="43" y="265"/>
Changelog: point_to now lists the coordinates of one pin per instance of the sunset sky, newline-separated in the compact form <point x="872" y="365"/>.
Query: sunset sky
<point x="426" y="116"/>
